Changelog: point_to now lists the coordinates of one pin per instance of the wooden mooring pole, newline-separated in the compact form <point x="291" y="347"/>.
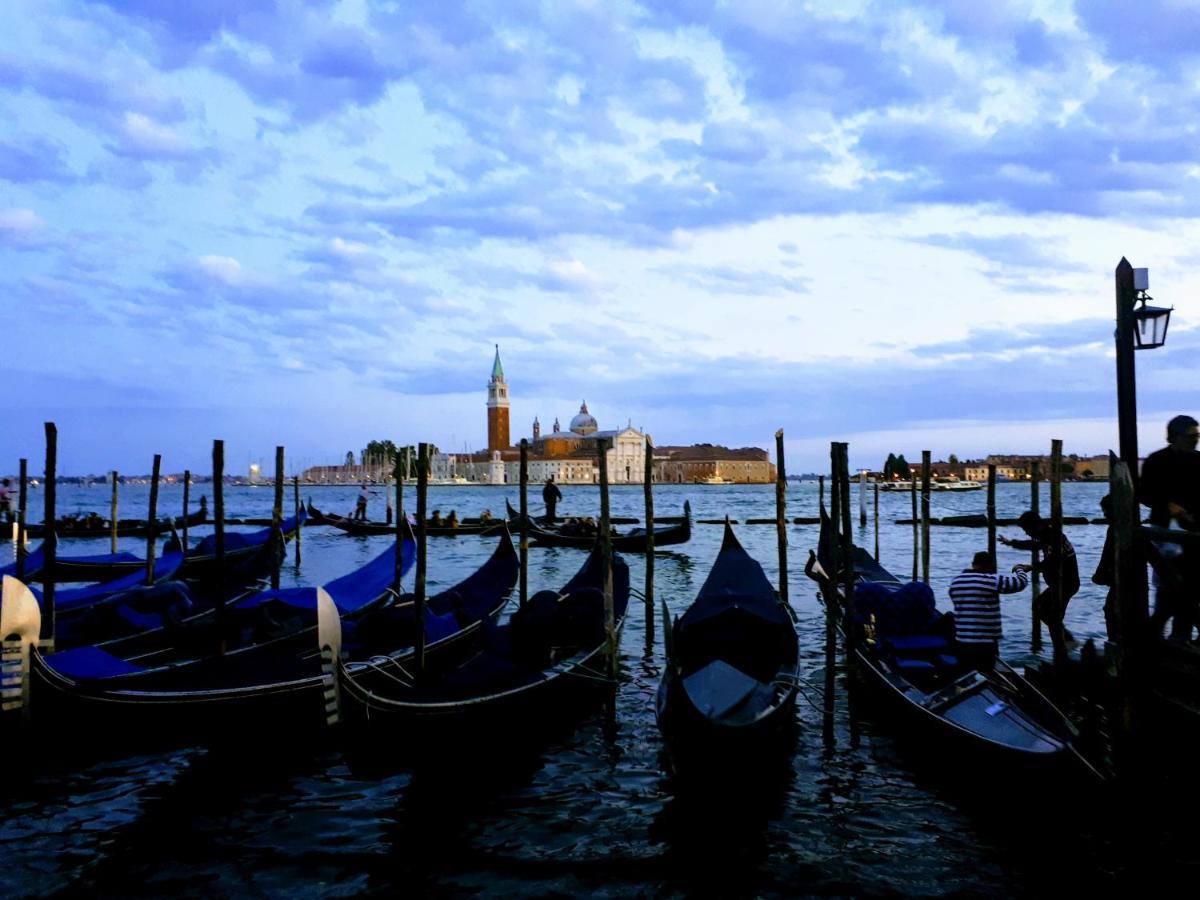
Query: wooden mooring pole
<point x="50" y="541"/>
<point x="877" y="522"/>
<point x="152" y="519"/>
<point x="926" y="465"/>
<point x="218" y="485"/>
<point x="396" y="575"/>
<point x="277" y="521"/>
<point x="781" y="515"/>
<point x="829" y="588"/>
<point x="1129" y="597"/>
<point x="524" y="596"/>
<point x="187" y="501"/>
<point x="422" y="491"/>
<point x="610" y="624"/>
<point x="296" y="513"/>
<point x="991" y="509"/>
<point x="648" y="493"/>
<point x="22" y="507"/>
<point x="1056" y="513"/>
<point x="113" y="511"/>
<point x="862" y="498"/>
<point x="1035" y="578"/>
<point x="847" y="550"/>
<point x="916" y="524"/>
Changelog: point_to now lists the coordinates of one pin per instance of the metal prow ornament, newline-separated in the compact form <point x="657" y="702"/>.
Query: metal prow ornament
<point x="20" y="625"/>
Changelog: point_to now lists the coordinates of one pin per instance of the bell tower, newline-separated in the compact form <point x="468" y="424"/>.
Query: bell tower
<point x="497" y="408"/>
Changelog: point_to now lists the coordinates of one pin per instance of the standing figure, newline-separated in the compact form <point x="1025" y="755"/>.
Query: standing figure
<point x="8" y="507"/>
<point x="1058" y="556"/>
<point x="1170" y="486"/>
<point x="550" y="496"/>
<point x="976" y="597"/>
<point x="360" y="508"/>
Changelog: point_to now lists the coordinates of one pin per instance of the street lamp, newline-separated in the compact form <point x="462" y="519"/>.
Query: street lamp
<point x="1150" y="322"/>
<point x="1141" y="327"/>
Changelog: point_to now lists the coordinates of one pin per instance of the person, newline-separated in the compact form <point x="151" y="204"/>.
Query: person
<point x="975" y="594"/>
<point x="1059" y="567"/>
<point x="8" y="506"/>
<point x="452" y="520"/>
<point x="485" y="516"/>
<point x="435" y="521"/>
<point x="1170" y="486"/>
<point x="360" y="508"/>
<point x="550" y="496"/>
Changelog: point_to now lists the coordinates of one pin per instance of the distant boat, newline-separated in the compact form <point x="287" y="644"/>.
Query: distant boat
<point x="712" y="479"/>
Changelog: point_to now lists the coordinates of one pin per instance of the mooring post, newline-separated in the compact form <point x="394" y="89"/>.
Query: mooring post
<point x="877" y="522"/>
<point x="648" y="494"/>
<point x="22" y="506"/>
<point x="1056" y="513"/>
<point x="610" y="623"/>
<point x="991" y="509"/>
<point x="862" y="497"/>
<point x="152" y="519"/>
<point x="820" y="489"/>
<point x="916" y="524"/>
<point x="422" y="491"/>
<point x="1035" y="578"/>
<point x="926" y="474"/>
<point x="829" y="588"/>
<point x="296" y="507"/>
<point x="399" y="531"/>
<point x="50" y="540"/>
<point x="277" y="521"/>
<point x="112" y="512"/>
<point x="781" y="515"/>
<point x="843" y="476"/>
<point x="218" y="460"/>
<point x="1126" y="295"/>
<point x="187" y="500"/>
<point x="524" y="596"/>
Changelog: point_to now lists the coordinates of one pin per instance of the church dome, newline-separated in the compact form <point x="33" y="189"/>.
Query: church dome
<point x="584" y="423"/>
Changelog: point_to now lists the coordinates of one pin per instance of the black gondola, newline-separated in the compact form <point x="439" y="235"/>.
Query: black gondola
<point x="902" y="650"/>
<point x="632" y="541"/>
<point x="363" y="528"/>
<point x="530" y="669"/>
<point x="171" y="678"/>
<point x="732" y="657"/>
<point x="94" y="527"/>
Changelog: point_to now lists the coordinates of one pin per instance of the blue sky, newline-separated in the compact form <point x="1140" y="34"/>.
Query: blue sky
<point x="308" y="223"/>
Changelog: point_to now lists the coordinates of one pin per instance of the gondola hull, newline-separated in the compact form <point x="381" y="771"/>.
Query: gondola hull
<point x="635" y="540"/>
<point x="367" y="529"/>
<point x="72" y="528"/>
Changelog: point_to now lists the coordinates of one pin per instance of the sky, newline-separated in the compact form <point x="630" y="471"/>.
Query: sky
<point x="309" y="223"/>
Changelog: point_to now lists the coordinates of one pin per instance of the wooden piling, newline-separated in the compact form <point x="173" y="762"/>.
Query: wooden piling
<point x="50" y="541"/>
<point x="1035" y="577"/>
<point x="422" y="491"/>
<point x="1056" y="513"/>
<point x="991" y="509"/>
<point x="396" y="578"/>
<point x="821" y="489"/>
<point x="862" y="498"/>
<point x="781" y="515"/>
<point x="187" y="498"/>
<point x="22" y="507"/>
<point x="843" y="476"/>
<point x="112" y="510"/>
<point x="277" y="521"/>
<point x="1129" y="596"/>
<point x="218" y="484"/>
<point x="876" y="486"/>
<point x="830" y="589"/>
<point x="916" y="524"/>
<point x="296" y="507"/>
<point x="524" y="596"/>
<point x="648" y="495"/>
<point x="152" y="518"/>
<point x="610" y="623"/>
<point x="926" y="473"/>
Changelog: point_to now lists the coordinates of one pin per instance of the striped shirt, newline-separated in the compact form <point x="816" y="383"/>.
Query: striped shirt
<point x="976" y="598"/>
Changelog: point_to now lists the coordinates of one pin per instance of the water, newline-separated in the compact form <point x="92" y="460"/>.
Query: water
<point x="591" y="809"/>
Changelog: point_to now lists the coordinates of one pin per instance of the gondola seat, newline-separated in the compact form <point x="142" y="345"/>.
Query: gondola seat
<point x="85" y="663"/>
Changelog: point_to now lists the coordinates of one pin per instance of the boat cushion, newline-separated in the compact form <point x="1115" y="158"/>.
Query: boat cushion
<point x="438" y="627"/>
<point x="89" y="663"/>
<point x="718" y="689"/>
<point x="906" y="610"/>
<point x="915" y="644"/>
<point x="906" y="664"/>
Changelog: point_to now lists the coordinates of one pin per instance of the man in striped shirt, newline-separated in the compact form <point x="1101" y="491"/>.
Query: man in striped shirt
<point x="976" y="597"/>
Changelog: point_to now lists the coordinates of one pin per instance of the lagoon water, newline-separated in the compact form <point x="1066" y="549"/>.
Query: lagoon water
<point x="591" y="809"/>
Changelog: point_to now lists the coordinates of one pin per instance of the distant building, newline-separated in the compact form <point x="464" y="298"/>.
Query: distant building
<point x="710" y="462"/>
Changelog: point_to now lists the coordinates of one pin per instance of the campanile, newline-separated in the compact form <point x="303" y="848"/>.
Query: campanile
<point x="497" y="408"/>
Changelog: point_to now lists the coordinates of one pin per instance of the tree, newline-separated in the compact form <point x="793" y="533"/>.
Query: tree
<point x="349" y="458"/>
<point x="889" y="466"/>
<point x="902" y="468"/>
<point x="953" y="460"/>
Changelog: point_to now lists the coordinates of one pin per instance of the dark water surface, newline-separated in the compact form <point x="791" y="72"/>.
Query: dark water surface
<point x="591" y="808"/>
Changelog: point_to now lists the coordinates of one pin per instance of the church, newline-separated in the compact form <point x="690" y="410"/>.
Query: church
<point x="569" y="456"/>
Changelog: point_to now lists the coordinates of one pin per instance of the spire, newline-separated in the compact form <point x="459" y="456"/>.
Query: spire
<point x="497" y="368"/>
<point x="582" y="406"/>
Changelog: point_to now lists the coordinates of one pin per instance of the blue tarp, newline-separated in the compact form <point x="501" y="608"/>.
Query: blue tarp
<point x="237" y="540"/>
<point x="33" y="564"/>
<point x="70" y="598"/>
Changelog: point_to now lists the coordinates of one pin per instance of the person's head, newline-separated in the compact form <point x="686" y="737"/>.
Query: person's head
<point x="550" y="479"/>
<point x="983" y="561"/>
<point x="1029" y="522"/>
<point x="1182" y="433"/>
<point x="1106" y="505"/>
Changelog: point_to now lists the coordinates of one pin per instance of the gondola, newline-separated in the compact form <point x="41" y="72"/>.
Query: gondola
<point x="531" y="670"/>
<point x="350" y="526"/>
<point x="175" y="678"/>
<point x="632" y="541"/>
<point x="966" y="715"/>
<point x="731" y="669"/>
<point x="93" y="527"/>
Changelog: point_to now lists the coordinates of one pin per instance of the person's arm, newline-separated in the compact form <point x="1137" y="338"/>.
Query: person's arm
<point x="1014" y="583"/>
<point x="1020" y="544"/>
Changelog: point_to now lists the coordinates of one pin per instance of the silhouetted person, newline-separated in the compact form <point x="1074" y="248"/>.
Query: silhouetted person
<point x="975" y="594"/>
<point x="1057" y="554"/>
<point x="360" y="508"/>
<point x="1170" y="486"/>
<point x="550" y="496"/>
<point x="8" y="506"/>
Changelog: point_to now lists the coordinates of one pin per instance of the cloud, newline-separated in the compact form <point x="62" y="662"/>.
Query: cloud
<point x="732" y="280"/>
<point x="21" y="228"/>
<point x="33" y="160"/>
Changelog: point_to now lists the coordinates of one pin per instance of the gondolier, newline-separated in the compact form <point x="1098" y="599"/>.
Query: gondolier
<point x="1059" y="567"/>
<point x="976" y="597"/>
<point x="550" y="496"/>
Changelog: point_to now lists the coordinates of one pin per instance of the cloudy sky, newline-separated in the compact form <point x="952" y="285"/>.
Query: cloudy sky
<point x="892" y="223"/>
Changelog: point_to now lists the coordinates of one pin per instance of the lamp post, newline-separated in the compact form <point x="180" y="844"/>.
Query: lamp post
<point x="1138" y="328"/>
